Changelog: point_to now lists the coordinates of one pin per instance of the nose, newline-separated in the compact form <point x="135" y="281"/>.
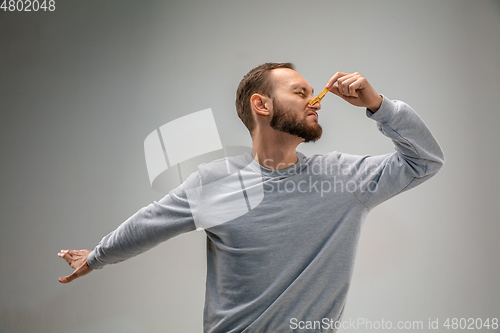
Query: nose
<point x="316" y="106"/>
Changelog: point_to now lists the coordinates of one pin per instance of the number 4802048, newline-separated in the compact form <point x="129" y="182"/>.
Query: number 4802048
<point x="28" y="5"/>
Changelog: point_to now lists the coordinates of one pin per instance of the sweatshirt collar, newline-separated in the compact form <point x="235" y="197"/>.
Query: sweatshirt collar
<point x="292" y="170"/>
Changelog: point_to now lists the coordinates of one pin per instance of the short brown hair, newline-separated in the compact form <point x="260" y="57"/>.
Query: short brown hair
<point x="256" y="81"/>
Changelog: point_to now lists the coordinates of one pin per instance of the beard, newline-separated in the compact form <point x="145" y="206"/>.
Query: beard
<point x="288" y="121"/>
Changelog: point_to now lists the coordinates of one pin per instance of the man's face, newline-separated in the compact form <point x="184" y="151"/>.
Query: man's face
<point x="291" y="110"/>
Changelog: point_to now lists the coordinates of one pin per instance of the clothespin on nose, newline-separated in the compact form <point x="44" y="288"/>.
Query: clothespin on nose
<point x="319" y="97"/>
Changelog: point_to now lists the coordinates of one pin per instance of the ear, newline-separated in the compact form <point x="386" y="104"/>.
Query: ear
<point x="261" y="104"/>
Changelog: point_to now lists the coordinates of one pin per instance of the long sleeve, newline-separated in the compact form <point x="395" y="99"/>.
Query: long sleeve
<point x="417" y="158"/>
<point x="148" y="227"/>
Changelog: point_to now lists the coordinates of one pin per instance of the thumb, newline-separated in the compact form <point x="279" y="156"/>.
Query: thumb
<point x="80" y="271"/>
<point x="335" y="90"/>
<point x="65" y="279"/>
<point x="69" y="278"/>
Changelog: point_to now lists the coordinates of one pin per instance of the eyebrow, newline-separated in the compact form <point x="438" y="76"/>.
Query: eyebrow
<point x="294" y="87"/>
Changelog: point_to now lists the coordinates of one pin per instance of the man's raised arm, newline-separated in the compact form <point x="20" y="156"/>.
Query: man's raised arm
<point x="418" y="155"/>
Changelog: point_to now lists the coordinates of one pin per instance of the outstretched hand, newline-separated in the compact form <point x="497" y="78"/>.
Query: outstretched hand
<point x="77" y="259"/>
<point x="355" y="89"/>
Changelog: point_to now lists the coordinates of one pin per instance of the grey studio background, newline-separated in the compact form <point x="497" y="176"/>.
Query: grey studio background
<point x="81" y="87"/>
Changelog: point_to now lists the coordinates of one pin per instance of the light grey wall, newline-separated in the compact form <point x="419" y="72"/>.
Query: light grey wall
<point x="81" y="88"/>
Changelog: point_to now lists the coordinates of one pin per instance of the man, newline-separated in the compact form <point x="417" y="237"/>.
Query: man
<point x="280" y="259"/>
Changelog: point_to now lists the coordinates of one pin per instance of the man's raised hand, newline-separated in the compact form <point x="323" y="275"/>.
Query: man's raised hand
<point x="355" y="89"/>
<point x="77" y="259"/>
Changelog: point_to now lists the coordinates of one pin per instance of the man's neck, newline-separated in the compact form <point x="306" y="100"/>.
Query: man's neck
<point x="277" y="151"/>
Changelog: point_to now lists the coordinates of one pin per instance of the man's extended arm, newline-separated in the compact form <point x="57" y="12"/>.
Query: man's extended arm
<point x="148" y="227"/>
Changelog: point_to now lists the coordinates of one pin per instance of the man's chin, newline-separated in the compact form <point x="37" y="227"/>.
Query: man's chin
<point x="311" y="138"/>
<point x="306" y="131"/>
<point x="314" y="136"/>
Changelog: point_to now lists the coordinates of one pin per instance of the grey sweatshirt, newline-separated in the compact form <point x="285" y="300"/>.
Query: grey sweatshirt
<point x="281" y="243"/>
